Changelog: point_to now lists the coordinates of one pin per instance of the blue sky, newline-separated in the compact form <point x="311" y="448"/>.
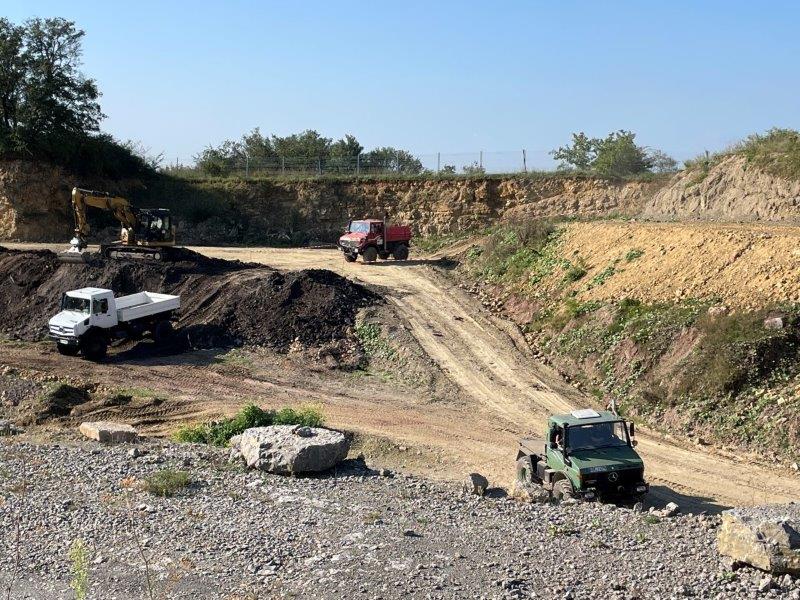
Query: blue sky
<point x="439" y="76"/>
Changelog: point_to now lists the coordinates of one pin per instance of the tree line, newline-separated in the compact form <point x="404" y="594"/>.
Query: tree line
<point x="307" y="150"/>
<point x="49" y="110"/>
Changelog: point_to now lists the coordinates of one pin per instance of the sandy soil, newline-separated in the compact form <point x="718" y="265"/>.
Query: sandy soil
<point x="504" y="392"/>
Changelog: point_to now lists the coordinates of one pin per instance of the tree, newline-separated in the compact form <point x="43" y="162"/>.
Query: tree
<point x="580" y="155"/>
<point x="308" y="144"/>
<point x="347" y="147"/>
<point x="221" y="160"/>
<point x="59" y="100"/>
<point x="616" y="155"/>
<point x="47" y="105"/>
<point x="257" y="148"/>
<point x="663" y="162"/>
<point x="619" y="156"/>
<point x="12" y="77"/>
<point x="388" y="159"/>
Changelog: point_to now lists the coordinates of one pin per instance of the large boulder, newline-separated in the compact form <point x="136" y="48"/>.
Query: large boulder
<point x="289" y="449"/>
<point x="766" y="537"/>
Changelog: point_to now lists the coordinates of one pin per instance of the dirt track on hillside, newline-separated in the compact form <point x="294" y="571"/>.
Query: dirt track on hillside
<point x="487" y="359"/>
<point x="504" y="392"/>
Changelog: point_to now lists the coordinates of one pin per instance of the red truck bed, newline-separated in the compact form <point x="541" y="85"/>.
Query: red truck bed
<point x="397" y="233"/>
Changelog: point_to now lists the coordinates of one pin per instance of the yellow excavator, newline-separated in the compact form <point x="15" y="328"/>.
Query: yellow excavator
<point x="147" y="233"/>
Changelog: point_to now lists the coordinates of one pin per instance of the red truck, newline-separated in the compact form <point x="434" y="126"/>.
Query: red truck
<point x="373" y="239"/>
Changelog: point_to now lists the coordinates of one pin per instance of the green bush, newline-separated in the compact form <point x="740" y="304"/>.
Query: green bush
<point x="219" y="433"/>
<point x="633" y="254"/>
<point x="166" y="483"/>
<point x="574" y="273"/>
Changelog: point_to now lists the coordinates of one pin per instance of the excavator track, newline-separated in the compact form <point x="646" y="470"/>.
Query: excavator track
<point x="122" y="252"/>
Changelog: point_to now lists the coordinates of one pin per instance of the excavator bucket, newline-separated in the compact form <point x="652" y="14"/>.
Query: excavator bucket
<point x="73" y="257"/>
<point x="75" y="254"/>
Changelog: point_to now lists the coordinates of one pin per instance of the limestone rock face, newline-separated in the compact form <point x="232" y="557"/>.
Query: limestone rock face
<point x="107" y="432"/>
<point x="731" y="190"/>
<point x="766" y="537"/>
<point x="287" y="449"/>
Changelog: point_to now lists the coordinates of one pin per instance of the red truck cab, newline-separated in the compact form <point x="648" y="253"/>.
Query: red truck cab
<point x="373" y="239"/>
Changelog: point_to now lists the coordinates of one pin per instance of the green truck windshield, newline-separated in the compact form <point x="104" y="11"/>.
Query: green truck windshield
<point x="597" y="435"/>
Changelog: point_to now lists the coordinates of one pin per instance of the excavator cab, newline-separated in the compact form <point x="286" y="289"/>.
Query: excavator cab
<point x="154" y="226"/>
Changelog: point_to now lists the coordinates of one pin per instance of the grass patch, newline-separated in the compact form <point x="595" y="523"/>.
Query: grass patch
<point x="735" y="350"/>
<point x="777" y="152"/>
<point x="373" y="342"/>
<point x="633" y="254"/>
<point x="166" y="483"/>
<point x="575" y="272"/>
<point x="521" y="253"/>
<point x="651" y="519"/>
<point x="219" y="433"/>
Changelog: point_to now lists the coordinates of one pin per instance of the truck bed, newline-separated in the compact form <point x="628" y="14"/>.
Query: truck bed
<point x="145" y="304"/>
<point x="398" y="233"/>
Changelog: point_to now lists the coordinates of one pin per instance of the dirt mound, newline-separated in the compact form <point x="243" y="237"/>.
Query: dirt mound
<point x="222" y="302"/>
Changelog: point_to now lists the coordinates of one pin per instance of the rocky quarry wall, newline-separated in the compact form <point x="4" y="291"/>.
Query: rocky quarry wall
<point x="731" y="190"/>
<point x="34" y="204"/>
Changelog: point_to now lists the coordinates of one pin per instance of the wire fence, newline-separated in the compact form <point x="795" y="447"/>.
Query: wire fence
<point x="400" y="163"/>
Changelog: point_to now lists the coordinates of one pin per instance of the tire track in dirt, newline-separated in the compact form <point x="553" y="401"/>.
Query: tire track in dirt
<point x="509" y="393"/>
<point x="515" y="393"/>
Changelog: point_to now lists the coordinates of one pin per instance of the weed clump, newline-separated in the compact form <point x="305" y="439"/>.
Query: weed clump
<point x="166" y="483"/>
<point x="219" y="433"/>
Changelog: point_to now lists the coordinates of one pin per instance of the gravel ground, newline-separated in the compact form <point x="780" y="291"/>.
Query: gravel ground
<point x="352" y="533"/>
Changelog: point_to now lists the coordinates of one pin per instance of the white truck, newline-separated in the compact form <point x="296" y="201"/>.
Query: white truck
<point x="91" y="318"/>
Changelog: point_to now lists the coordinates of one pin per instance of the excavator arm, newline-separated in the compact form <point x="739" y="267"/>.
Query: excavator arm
<point x="81" y="199"/>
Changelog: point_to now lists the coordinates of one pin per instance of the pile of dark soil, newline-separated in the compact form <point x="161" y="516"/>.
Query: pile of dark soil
<point x="222" y="302"/>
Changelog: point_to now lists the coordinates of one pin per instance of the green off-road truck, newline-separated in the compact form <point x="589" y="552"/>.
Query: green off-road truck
<point x="587" y="454"/>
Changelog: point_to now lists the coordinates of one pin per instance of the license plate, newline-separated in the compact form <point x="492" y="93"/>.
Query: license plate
<point x="63" y="342"/>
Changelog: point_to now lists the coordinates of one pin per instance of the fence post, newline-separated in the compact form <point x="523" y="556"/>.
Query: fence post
<point x="438" y="162"/>
<point x="247" y="167"/>
<point x="524" y="161"/>
<point x="319" y="165"/>
<point x="481" y="160"/>
<point x="358" y="164"/>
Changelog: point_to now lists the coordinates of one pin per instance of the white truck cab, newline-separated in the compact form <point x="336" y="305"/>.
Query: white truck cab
<point x="91" y="317"/>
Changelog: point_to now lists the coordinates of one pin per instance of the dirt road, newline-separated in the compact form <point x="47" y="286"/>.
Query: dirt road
<point x="486" y="358"/>
<point x="505" y="392"/>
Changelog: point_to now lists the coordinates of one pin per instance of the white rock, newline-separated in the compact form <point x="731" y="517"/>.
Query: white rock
<point x="766" y="537"/>
<point x="108" y="432"/>
<point x="289" y="449"/>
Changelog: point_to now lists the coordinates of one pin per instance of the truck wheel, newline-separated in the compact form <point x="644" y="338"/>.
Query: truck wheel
<point x="400" y="252"/>
<point x="383" y="255"/>
<point x="67" y="350"/>
<point x="524" y="474"/>
<point x="562" y="490"/>
<point x="350" y="257"/>
<point x="370" y="255"/>
<point x="94" y="346"/>
<point x="162" y="332"/>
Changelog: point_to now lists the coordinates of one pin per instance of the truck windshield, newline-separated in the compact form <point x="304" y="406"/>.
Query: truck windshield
<point x="75" y="304"/>
<point x="597" y="435"/>
<point x="359" y="227"/>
